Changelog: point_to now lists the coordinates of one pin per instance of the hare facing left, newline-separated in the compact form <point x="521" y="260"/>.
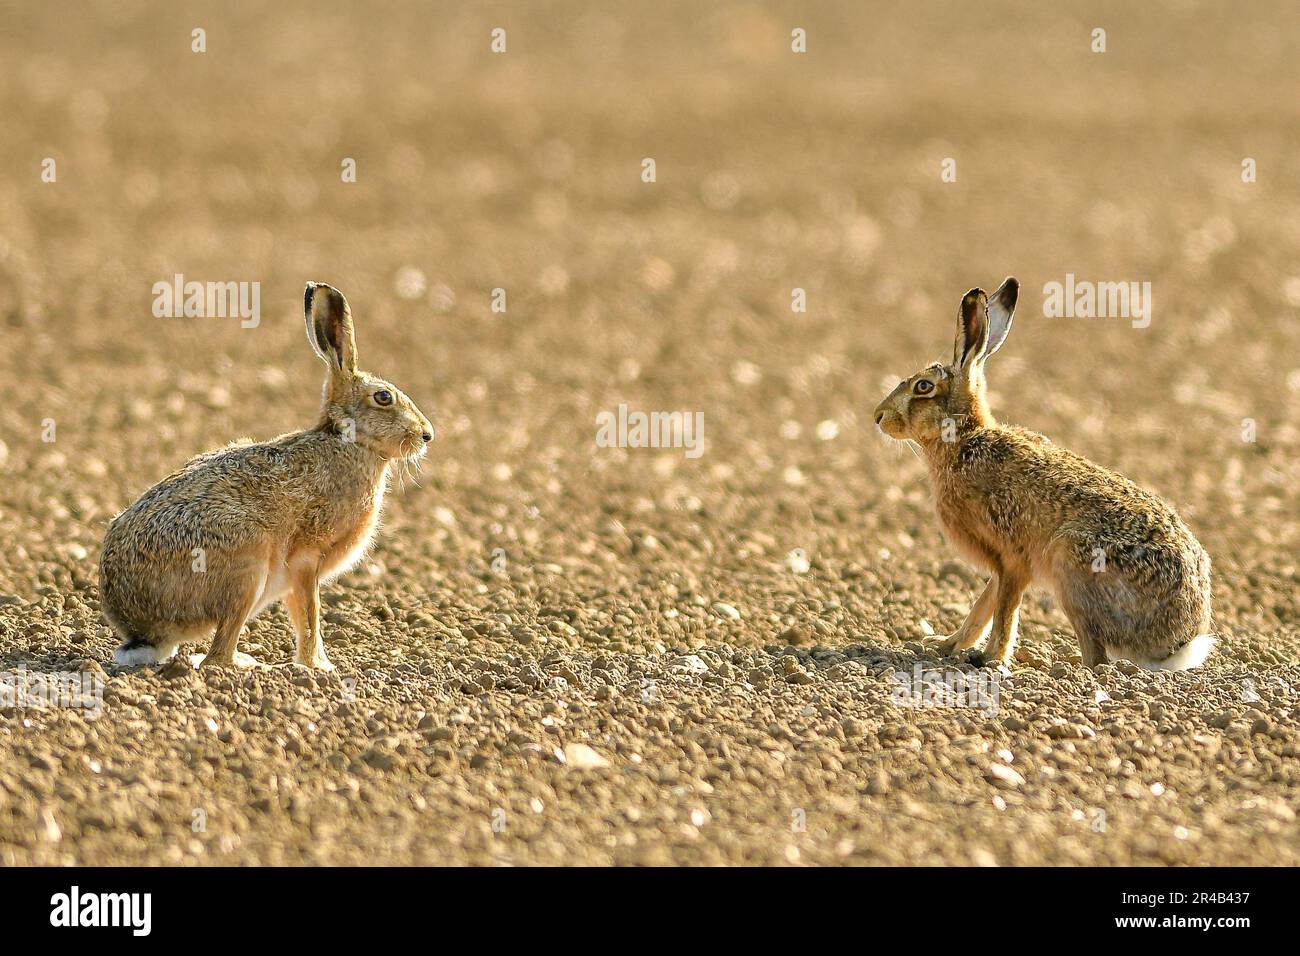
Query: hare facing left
<point x="1128" y="573"/>
<point x="235" y="530"/>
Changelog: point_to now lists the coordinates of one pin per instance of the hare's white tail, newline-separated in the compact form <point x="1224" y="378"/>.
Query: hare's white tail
<point x="135" y="655"/>
<point x="1192" y="654"/>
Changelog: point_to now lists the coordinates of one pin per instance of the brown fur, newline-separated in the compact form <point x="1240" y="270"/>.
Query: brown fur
<point x="209" y="547"/>
<point x="1127" y="572"/>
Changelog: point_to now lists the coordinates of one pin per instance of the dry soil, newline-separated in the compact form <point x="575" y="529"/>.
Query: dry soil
<point x="559" y="653"/>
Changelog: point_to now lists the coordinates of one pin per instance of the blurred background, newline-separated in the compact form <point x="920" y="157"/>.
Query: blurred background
<point x="522" y="171"/>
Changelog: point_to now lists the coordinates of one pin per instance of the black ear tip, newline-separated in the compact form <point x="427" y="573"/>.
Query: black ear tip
<point x="332" y="296"/>
<point x="971" y="300"/>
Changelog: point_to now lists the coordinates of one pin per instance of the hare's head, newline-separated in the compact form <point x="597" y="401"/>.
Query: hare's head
<point x="942" y="401"/>
<point x="362" y="407"/>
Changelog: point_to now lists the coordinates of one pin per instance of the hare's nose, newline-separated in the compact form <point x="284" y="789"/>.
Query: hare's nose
<point x="427" y="436"/>
<point x="880" y="417"/>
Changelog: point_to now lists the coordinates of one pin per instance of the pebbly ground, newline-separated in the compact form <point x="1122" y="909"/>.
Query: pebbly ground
<point x="563" y="653"/>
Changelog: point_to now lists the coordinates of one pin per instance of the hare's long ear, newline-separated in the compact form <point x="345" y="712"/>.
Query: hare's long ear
<point x="972" y="329"/>
<point x="1002" y="306"/>
<point x="329" y="327"/>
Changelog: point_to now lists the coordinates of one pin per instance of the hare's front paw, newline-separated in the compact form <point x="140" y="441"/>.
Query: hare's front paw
<point x="240" y="659"/>
<point x="947" y="646"/>
<point x="319" y="662"/>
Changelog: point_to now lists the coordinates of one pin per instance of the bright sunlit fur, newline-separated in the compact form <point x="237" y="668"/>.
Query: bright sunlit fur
<point x="1130" y="576"/>
<point x="211" y="546"/>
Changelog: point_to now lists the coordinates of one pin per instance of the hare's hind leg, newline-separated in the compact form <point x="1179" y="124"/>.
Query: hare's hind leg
<point x="977" y="621"/>
<point x="223" y="652"/>
<point x="303" y="604"/>
<point x="242" y="600"/>
<point x="1092" y="648"/>
<point x="1085" y="604"/>
<point x="1096" y="599"/>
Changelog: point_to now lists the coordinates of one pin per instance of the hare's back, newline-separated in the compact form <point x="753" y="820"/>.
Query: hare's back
<point x="220" y="500"/>
<point x="1080" y="497"/>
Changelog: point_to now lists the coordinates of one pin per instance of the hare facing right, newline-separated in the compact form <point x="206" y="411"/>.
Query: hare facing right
<point x="209" y="547"/>
<point x="1130" y="576"/>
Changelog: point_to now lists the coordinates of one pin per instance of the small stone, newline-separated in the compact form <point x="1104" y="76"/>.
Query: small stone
<point x="582" y="757"/>
<point x="1005" y="777"/>
<point x="50" y="830"/>
<point x="178" y="668"/>
<point x="92" y="668"/>
<point x="726" y="610"/>
<point x="796" y="635"/>
<point x="380" y="759"/>
<point x="1069" y="731"/>
<point x="689" y="664"/>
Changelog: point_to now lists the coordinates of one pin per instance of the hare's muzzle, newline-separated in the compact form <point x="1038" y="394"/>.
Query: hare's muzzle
<point x="889" y="421"/>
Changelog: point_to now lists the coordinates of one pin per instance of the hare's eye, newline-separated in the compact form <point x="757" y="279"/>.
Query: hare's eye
<point x="923" y="387"/>
<point x="383" y="397"/>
